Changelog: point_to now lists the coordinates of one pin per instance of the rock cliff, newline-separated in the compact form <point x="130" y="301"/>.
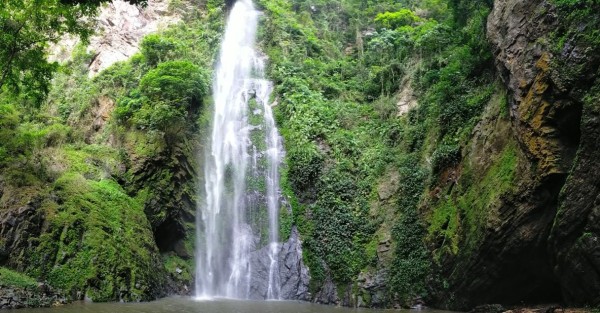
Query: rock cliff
<point x="551" y="67"/>
<point x="506" y="210"/>
<point x="540" y="243"/>
<point x="120" y="27"/>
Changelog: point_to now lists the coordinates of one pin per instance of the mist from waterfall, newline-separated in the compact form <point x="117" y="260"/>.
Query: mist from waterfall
<point x="239" y="206"/>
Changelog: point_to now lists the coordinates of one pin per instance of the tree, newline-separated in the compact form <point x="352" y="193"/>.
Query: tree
<point x="27" y="28"/>
<point x="393" y="20"/>
<point x="177" y="83"/>
<point x="168" y="93"/>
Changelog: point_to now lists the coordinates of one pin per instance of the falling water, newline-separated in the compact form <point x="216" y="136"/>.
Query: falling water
<point x="241" y="192"/>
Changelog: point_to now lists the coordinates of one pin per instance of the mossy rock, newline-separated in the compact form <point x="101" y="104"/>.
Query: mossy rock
<point x="98" y="244"/>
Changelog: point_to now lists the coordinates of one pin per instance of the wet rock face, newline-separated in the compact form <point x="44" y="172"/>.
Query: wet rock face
<point x="545" y="116"/>
<point x="18" y="298"/>
<point x="16" y="228"/>
<point x="575" y="238"/>
<point x="328" y="293"/>
<point x="293" y="274"/>
<point x="373" y="288"/>
<point x="553" y="122"/>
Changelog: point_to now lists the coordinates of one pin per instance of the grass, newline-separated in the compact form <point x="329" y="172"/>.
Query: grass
<point x="12" y="279"/>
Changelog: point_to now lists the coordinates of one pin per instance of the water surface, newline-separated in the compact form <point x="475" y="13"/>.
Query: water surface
<point x="187" y="305"/>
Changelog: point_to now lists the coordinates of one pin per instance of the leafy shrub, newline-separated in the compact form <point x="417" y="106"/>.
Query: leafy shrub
<point x="177" y="83"/>
<point x="160" y="116"/>
<point x="393" y="20"/>
<point x="165" y="97"/>
<point x="444" y="156"/>
<point x="157" y="48"/>
<point x="56" y="134"/>
<point x="304" y="168"/>
<point x="410" y="265"/>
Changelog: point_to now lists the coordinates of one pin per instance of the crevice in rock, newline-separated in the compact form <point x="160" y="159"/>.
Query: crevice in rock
<point x="167" y="234"/>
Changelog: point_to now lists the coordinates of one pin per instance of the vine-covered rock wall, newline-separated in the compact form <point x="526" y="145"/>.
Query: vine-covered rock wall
<point x="432" y="148"/>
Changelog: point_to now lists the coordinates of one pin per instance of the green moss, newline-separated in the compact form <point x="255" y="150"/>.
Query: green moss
<point x="92" y="161"/>
<point x="337" y="111"/>
<point x="371" y="250"/>
<point x="580" y="27"/>
<point x="145" y="146"/>
<point x="98" y="242"/>
<point x="286" y="221"/>
<point x="504" y="106"/>
<point x="366" y="296"/>
<point x="12" y="279"/>
<point x="181" y="270"/>
<point x="459" y="220"/>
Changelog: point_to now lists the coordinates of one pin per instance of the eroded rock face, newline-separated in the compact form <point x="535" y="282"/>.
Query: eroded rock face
<point x="373" y="289"/>
<point x="540" y="241"/>
<point x="553" y="122"/>
<point x="119" y="31"/>
<point x="293" y="274"/>
<point x="121" y="27"/>
<point x="545" y="116"/>
<point x="575" y="238"/>
<point x="328" y="293"/>
<point x="18" y="298"/>
<point x="406" y="98"/>
<point x="16" y="228"/>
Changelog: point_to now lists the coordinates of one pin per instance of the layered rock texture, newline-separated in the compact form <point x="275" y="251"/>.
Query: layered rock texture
<point x="540" y="242"/>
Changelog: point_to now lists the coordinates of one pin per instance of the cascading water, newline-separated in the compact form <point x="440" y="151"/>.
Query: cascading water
<point x="241" y="192"/>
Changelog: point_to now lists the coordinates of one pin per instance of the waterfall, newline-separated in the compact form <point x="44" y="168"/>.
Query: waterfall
<point x="238" y="212"/>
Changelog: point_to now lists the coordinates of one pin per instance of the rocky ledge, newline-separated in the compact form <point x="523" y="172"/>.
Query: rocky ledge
<point x="40" y="296"/>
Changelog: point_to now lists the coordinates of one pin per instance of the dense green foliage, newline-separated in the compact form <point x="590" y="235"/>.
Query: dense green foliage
<point x="378" y="103"/>
<point x="102" y="242"/>
<point x="108" y="161"/>
<point x="28" y="28"/>
<point x="586" y="33"/>
<point x="340" y="69"/>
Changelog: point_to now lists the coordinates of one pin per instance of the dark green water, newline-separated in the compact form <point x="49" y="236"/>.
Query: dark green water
<point x="187" y="305"/>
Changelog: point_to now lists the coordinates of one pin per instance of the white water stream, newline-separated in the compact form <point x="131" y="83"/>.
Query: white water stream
<point x="241" y="174"/>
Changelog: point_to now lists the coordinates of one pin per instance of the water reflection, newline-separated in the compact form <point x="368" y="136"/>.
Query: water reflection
<point x="188" y="305"/>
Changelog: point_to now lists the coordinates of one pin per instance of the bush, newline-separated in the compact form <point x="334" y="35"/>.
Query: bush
<point x="445" y="156"/>
<point x="393" y="20"/>
<point x="177" y="83"/>
<point x="157" y="48"/>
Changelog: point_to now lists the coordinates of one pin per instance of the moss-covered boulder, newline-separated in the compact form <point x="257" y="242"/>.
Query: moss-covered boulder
<point x="98" y="243"/>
